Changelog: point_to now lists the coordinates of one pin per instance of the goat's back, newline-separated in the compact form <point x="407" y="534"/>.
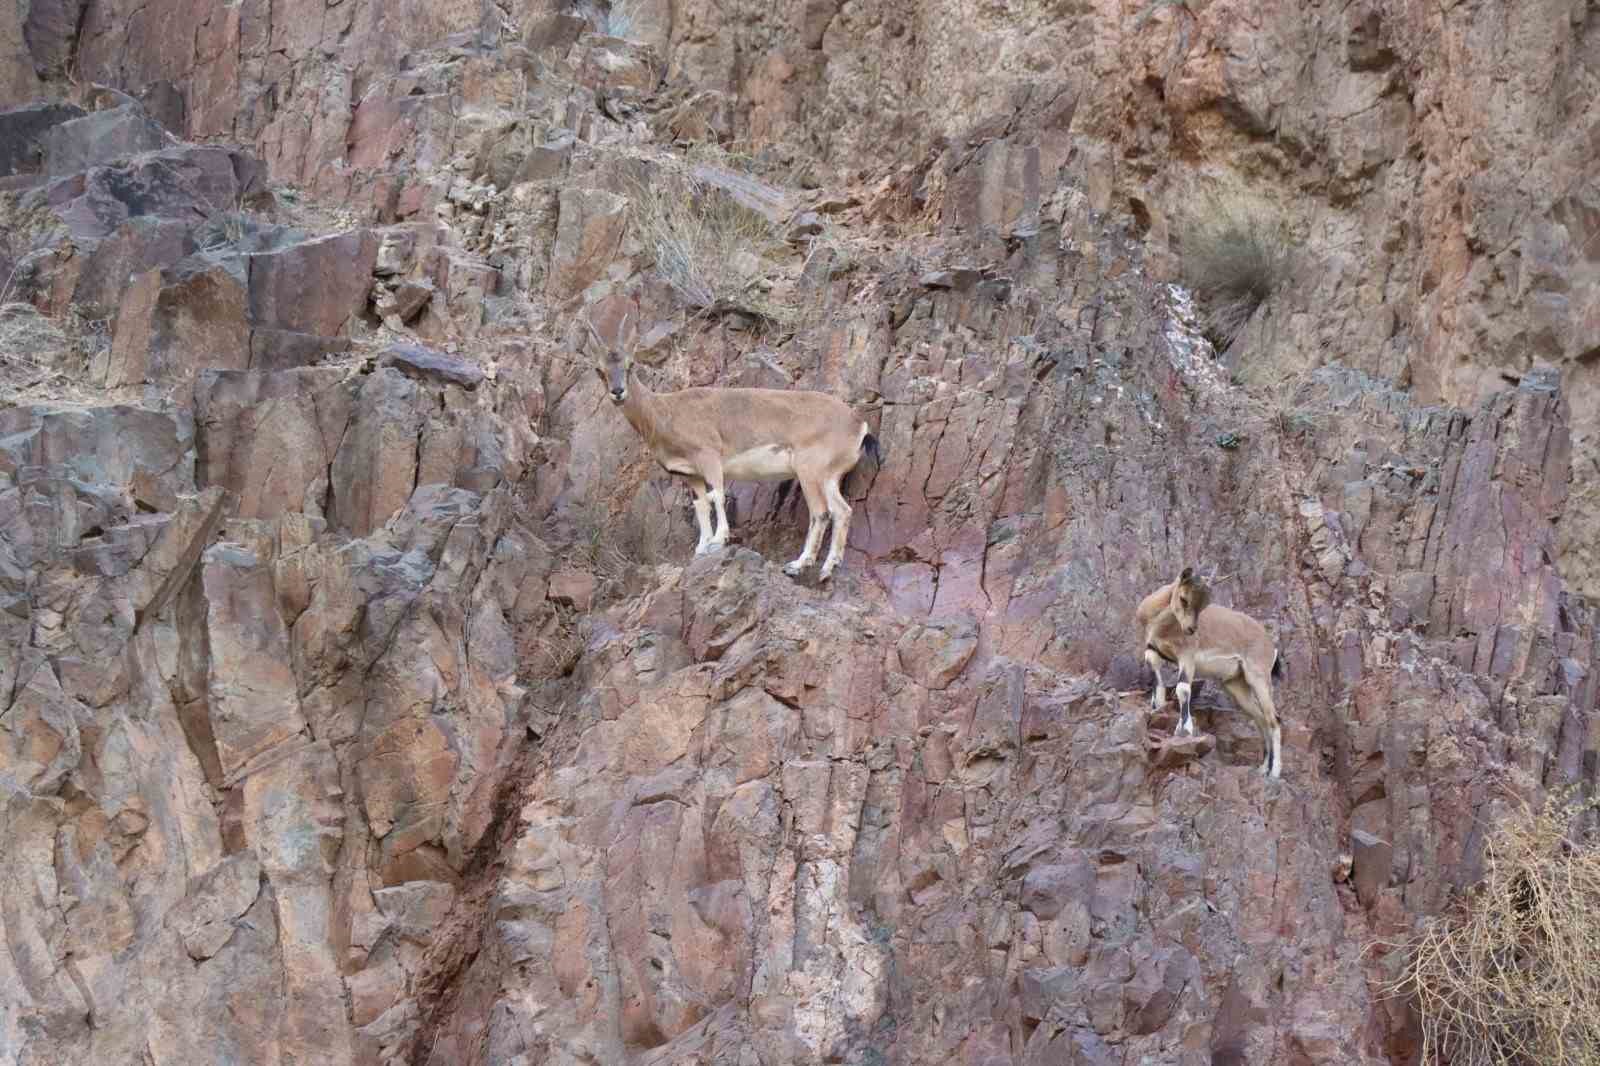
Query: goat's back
<point x="749" y="418"/>
<point x="1153" y="605"/>
<point x="1225" y="629"/>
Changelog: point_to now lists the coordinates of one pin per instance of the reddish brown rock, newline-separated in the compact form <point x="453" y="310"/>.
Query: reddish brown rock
<point x="935" y="654"/>
<point x="174" y="323"/>
<point x="1372" y="858"/>
<point x="315" y="287"/>
<point x="589" y="230"/>
<point x="323" y="757"/>
<point x="1175" y="751"/>
<point x="574" y="588"/>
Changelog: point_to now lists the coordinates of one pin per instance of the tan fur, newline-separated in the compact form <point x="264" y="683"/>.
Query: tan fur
<point x="1218" y="643"/>
<point x="712" y="435"/>
<point x="1149" y="607"/>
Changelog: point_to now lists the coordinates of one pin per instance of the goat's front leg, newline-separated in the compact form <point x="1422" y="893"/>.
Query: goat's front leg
<point x="712" y="465"/>
<point x="1185" y="720"/>
<point x="1158" y="695"/>
<point x="817" y="506"/>
<point x="702" y="514"/>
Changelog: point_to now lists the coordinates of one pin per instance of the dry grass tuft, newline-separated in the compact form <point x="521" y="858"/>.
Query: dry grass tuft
<point x="611" y="542"/>
<point x="41" y="356"/>
<point x="556" y="650"/>
<point x="1235" y="252"/>
<point x="711" y="250"/>
<point x="29" y="341"/>
<point x="779" y="164"/>
<point x="1509" y="977"/>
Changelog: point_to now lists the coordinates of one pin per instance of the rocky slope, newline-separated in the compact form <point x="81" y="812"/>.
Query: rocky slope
<point x="360" y="700"/>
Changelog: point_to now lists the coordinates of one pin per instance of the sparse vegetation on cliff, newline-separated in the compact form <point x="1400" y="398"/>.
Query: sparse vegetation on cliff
<point x="1509" y="977"/>
<point x="1235" y="253"/>
<point x="708" y="247"/>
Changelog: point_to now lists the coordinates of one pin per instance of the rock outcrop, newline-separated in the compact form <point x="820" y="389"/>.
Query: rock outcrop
<point x="362" y="701"/>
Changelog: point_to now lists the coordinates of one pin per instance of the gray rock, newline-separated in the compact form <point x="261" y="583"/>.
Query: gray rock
<point x="415" y="361"/>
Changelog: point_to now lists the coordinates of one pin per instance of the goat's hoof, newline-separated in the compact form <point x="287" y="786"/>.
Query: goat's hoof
<point x="794" y="569"/>
<point x="825" y="573"/>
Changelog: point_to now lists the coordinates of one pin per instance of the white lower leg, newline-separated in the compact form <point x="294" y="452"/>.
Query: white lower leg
<point x="1276" y="751"/>
<point x="808" y="554"/>
<point x="1158" y="695"/>
<point x="720" y="537"/>
<point x="841" y="531"/>
<point x="839" y="511"/>
<point x="1185" y="723"/>
<point x="702" y="517"/>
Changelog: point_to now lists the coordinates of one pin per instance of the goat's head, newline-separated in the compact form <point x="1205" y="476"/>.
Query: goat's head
<point x="1189" y="599"/>
<point x="613" y="364"/>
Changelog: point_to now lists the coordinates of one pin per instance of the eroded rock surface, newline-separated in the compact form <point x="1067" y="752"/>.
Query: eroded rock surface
<point x="361" y="700"/>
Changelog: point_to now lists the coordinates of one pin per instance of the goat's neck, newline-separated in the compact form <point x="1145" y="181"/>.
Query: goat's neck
<point x="642" y="409"/>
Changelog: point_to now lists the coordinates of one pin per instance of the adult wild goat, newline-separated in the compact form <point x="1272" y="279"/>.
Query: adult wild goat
<point x="712" y="435"/>
<point x="1208" y="640"/>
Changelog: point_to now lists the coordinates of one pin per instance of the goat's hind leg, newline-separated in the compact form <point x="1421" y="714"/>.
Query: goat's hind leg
<point x="819" y="516"/>
<point x="702" y="514"/>
<point x="839" y="511"/>
<point x="1271" y="730"/>
<point x="1255" y="699"/>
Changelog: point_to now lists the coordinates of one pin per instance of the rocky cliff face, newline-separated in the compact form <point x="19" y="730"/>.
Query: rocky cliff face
<point x="361" y="700"/>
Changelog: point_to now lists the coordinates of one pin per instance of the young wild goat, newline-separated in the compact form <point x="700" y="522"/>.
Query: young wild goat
<point x="1208" y="640"/>
<point x="1149" y="608"/>
<point x="711" y="436"/>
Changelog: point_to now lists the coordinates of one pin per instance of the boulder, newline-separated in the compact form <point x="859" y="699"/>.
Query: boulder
<point x="100" y="138"/>
<point x="22" y="133"/>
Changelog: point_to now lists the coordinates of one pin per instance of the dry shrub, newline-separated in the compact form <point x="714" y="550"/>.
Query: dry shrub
<point x="775" y="163"/>
<point x="709" y="248"/>
<point x="40" y="354"/>
<point x="555" y="650"/>
<point x="1235" y="251"/>
<point x="611" y="542"/>
<point x="29" y="341"/>
<point x="1509" y="976"/>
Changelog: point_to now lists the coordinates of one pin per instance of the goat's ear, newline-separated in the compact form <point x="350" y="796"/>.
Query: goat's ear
<point x="1187" y="575"/>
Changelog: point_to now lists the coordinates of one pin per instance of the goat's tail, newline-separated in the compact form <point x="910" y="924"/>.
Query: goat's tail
<point x="1277" y="665"/>
<point x="869" y="446"/>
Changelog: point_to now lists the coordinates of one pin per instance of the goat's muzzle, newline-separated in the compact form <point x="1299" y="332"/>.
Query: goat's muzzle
<point x="618" y="395"/>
